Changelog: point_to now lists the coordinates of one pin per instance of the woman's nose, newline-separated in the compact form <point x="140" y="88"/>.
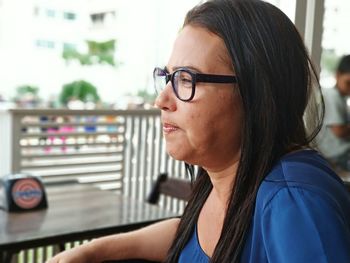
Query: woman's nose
<point x="166" y="99"/>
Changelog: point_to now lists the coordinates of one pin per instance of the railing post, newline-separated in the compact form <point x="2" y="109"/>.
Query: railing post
<point x="16" y="128"/>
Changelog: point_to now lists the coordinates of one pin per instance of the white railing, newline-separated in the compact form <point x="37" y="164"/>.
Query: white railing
<point x="120" y="150"/>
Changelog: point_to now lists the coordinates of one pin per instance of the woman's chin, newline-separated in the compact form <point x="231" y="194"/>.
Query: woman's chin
<point x="175" y="155"/>
<point x="179" y="154"/>
<point x="176" y="152"/>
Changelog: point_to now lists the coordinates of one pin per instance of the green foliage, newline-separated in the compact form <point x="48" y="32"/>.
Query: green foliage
<point x="97" y="48"/>
<point x="71" y="54"/>
<point x="25" y="89"/>
<point x="27" y="96"/>
<point x="329" y="61"/>
<point x="99" y="53"/>
<point x="81" y="90"/>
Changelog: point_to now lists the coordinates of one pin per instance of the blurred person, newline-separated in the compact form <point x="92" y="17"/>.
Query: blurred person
<point x="232" y="101"/>
<point x="334" y="138"/>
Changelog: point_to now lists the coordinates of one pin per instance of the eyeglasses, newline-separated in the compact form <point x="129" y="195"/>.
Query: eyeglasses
<point x="184" y="81"/>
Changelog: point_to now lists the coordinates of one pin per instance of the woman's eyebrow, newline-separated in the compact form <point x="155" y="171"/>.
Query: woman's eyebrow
<point x="187" y="67"/>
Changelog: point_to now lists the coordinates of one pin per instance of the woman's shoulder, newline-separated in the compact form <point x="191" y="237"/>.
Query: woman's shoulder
<point x="302" y="213"/>
<point x="305" y="171"/>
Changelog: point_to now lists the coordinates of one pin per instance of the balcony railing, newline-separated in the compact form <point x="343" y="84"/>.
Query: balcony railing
<point x="119" y="150"/>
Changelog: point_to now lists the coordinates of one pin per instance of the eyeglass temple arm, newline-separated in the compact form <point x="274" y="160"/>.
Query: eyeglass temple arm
<point x="216" y="78"/>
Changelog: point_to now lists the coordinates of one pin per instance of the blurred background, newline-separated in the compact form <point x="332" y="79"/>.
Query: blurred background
<point x="101" y="53"/>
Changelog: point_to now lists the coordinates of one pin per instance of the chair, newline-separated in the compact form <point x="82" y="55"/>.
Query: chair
<point x="169" y="186"/>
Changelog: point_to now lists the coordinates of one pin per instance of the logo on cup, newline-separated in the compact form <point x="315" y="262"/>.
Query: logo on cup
<point x="27" y="193"/>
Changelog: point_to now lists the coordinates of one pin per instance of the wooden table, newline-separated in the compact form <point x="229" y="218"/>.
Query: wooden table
<point x="74" y="214"/>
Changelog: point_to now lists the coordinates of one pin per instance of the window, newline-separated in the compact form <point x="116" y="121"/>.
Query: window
<point x="45" y="44"/>
<point x="69" y="15"/>
<point x="101" y="18"/>
<point x="50" y="13"/>
<point x="69" y="46"/>
<point x="97" y="18"/>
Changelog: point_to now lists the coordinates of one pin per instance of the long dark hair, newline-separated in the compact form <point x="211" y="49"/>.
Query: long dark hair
<point x="276" y="82"/>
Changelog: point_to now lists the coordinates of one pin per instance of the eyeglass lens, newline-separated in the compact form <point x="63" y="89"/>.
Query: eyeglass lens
<point x="182" y="82"/>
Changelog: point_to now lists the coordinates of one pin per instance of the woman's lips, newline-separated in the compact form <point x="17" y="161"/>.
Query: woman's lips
<point x="169" y="128"/>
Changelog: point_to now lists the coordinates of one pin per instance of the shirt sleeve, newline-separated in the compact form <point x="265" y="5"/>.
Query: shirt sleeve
<point x="300" y="226"/>
<point x="335" y="109"/>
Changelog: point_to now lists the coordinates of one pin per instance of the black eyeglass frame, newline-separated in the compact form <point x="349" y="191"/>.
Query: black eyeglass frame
<point x="196" y="77"/>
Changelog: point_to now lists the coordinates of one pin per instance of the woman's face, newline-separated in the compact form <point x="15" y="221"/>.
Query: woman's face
<point x="207" y="130"/>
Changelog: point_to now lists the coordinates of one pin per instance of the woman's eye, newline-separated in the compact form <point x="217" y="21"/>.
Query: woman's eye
<point x="186" y="80"/>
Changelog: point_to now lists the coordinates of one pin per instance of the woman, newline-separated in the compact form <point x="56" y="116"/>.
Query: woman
<point x="233" y="97"/>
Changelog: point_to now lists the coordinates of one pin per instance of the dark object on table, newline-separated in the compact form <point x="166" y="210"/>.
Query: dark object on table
<point x="22" y="192"/>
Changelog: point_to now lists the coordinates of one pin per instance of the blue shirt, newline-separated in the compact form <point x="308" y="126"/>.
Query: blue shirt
<point x="302" y="215"/>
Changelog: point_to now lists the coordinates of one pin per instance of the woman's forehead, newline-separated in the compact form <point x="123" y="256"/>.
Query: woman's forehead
<point x="199" y="48"/>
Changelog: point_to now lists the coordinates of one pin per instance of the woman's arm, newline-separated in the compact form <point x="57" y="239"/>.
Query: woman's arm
<point x="151" y="243"/>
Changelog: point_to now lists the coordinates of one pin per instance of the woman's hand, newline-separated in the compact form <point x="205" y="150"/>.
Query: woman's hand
<point x="151" y="243"/>
<point x="80" y="254"/>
